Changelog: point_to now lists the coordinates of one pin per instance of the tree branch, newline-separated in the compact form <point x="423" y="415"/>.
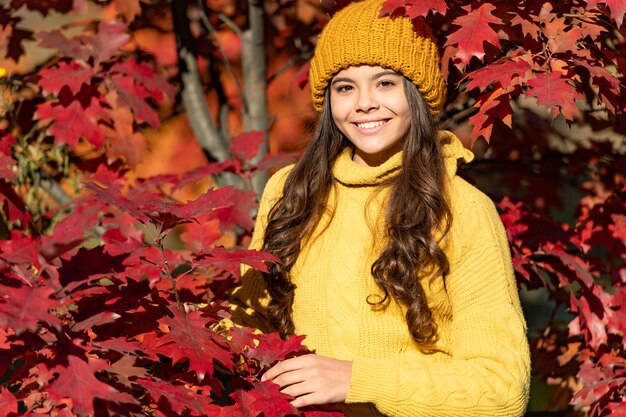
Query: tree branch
<point x="192" y="92"/>
<point x="255" y="81"/>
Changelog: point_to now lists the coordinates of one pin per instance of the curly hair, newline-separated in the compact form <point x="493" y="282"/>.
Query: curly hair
<point x="417" y="219"/>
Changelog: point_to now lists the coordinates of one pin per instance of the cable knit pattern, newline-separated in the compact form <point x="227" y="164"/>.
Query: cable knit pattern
<point x="481" y="364"/>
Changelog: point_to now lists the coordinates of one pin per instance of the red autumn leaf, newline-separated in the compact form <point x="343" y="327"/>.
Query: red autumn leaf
<point x="73" y="122"/>
<point x="247" y="145"/>
<point x="77" y="381"/>
<point x="473" y="31"/>
<point x="529" y="27"/>
<point x="189" y="338"/>
<point x="13" y="37"/>
<point x="24" y="308"/>
<point x="553" y="91"/>
<point x="8" y="402"/>
<point x="6" y="167"/>
<point x="62" y="6"/>
<point x="122" y="140"/>
<point x="242" y="337"/>
<point x="203" y="172"/>
<point x="561" y="36"/>
<point x="200" y="237"/>
<point x="211" y="200"/>
<point x="129" y="8"/>
<point x="73" y="75"/>
<point x="391" y="7"/>
<point x="617" y="8"/>
<point x="145" y="75"/>
<point x="496" y="106"/>
<point x="21" y="249"/>
<point x="110" y="38"/>
<point x="265" y="398"/>
<point x="231" y="260"/>
<point x="113" y="197"/>
<point x="133" y="95"/>
<point x="418" y="8"/>
<point x="240" y="212"/>
<point x="176" y="396"/>
<point x="125" y="368"/>
<point x="272" y="348"/>
<point x="503" y="72"/>
<point x="71" y="48"/>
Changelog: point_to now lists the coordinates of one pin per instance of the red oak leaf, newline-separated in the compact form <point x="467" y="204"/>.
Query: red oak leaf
<point x="473" y="31"/>
<point x="6" y="167"/>
<point x="553" y="91"/>
<point x="272" y="348"/>
<point x="66" y="47"/>
<point x="496" y="106"/>
<point x="8" y="402"/>
<point x="189" y="338"/>
<point x="529" y="27"/>
<point x="62" y="6"/>
<point x="129" y="93"/>
<point x="107" y="43"/>
<point x="232" y="260"/>
<point x="211" y="200"/>
<point x="113" y="197"/>
<point x="145" y="75"/>
<point x="73" y="122"/>
<point x="13" y="37"/>
<point x="391" y="7"/>
<point x="72" y="75"/>
<point x="123" y="140"/>
<point x="177" y="397"/>
<point x="422" y="7"/>
<point x="242" y="337"/>
<point x="78" y="382"/>
<point x="240" y="212"/>
<point x="265" y="398"/>
<point x="128" y="8"/>
<point x="505" y="72"/>
<point x="617" y="7"/>
<point x="23" y="308"/>
<point x="125" y="368"/>
<point x="200" y="237"/>
<point x="562" y="37"/>
<point x="247" y="145"/>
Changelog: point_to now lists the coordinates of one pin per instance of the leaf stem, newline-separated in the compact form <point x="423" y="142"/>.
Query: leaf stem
<point x="168" y="271"/>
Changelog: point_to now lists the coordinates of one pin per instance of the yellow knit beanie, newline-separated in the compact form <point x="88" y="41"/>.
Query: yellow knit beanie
<point x="356" y="35"/>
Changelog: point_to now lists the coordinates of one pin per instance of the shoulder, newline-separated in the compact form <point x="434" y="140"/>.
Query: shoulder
<point x="274" y="187"/>
<point x="475" y="219"/>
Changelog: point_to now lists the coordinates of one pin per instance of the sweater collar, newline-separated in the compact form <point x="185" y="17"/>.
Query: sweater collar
<point x="348" y="172"/>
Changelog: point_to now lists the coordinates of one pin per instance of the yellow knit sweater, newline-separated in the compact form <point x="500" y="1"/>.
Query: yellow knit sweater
<point x="481" y="363"/>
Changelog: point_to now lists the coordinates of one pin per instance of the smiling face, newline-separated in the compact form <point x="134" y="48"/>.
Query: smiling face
<point x="369" y="106"/>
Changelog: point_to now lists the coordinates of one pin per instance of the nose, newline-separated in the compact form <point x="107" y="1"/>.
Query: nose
<point x="366" y="101"/>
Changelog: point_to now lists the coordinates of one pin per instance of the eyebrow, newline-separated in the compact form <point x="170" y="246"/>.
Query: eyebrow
<point x="374" y="77"/>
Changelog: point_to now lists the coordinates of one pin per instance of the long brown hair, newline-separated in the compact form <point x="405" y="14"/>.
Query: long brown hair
<point x="417" y="216"/>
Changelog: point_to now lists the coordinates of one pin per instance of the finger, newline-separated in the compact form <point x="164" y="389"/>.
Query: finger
<point x="299" y="389"/>
<point x="281" y="367"/>
<point x="306" y="400"/>
<point x="289" y="378"/>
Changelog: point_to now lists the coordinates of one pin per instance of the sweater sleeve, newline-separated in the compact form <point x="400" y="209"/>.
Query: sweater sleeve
<point x="249" y="301"/>
<point x="488" y="370"/>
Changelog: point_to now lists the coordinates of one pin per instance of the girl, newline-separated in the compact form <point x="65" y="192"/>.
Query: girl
<point x="396" y="270"/>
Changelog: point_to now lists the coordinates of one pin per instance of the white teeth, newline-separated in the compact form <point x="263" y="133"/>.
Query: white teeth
<point x="370" y="125"/>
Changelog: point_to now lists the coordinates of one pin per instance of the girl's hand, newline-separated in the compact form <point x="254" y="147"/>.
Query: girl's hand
<point x="312" y="379"/>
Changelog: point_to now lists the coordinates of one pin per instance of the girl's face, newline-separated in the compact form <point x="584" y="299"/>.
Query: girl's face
<point x="369" y="106"/>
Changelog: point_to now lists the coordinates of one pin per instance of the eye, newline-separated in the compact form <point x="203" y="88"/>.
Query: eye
<point x="343" y="88"/>
<point x="386" y="83"/>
